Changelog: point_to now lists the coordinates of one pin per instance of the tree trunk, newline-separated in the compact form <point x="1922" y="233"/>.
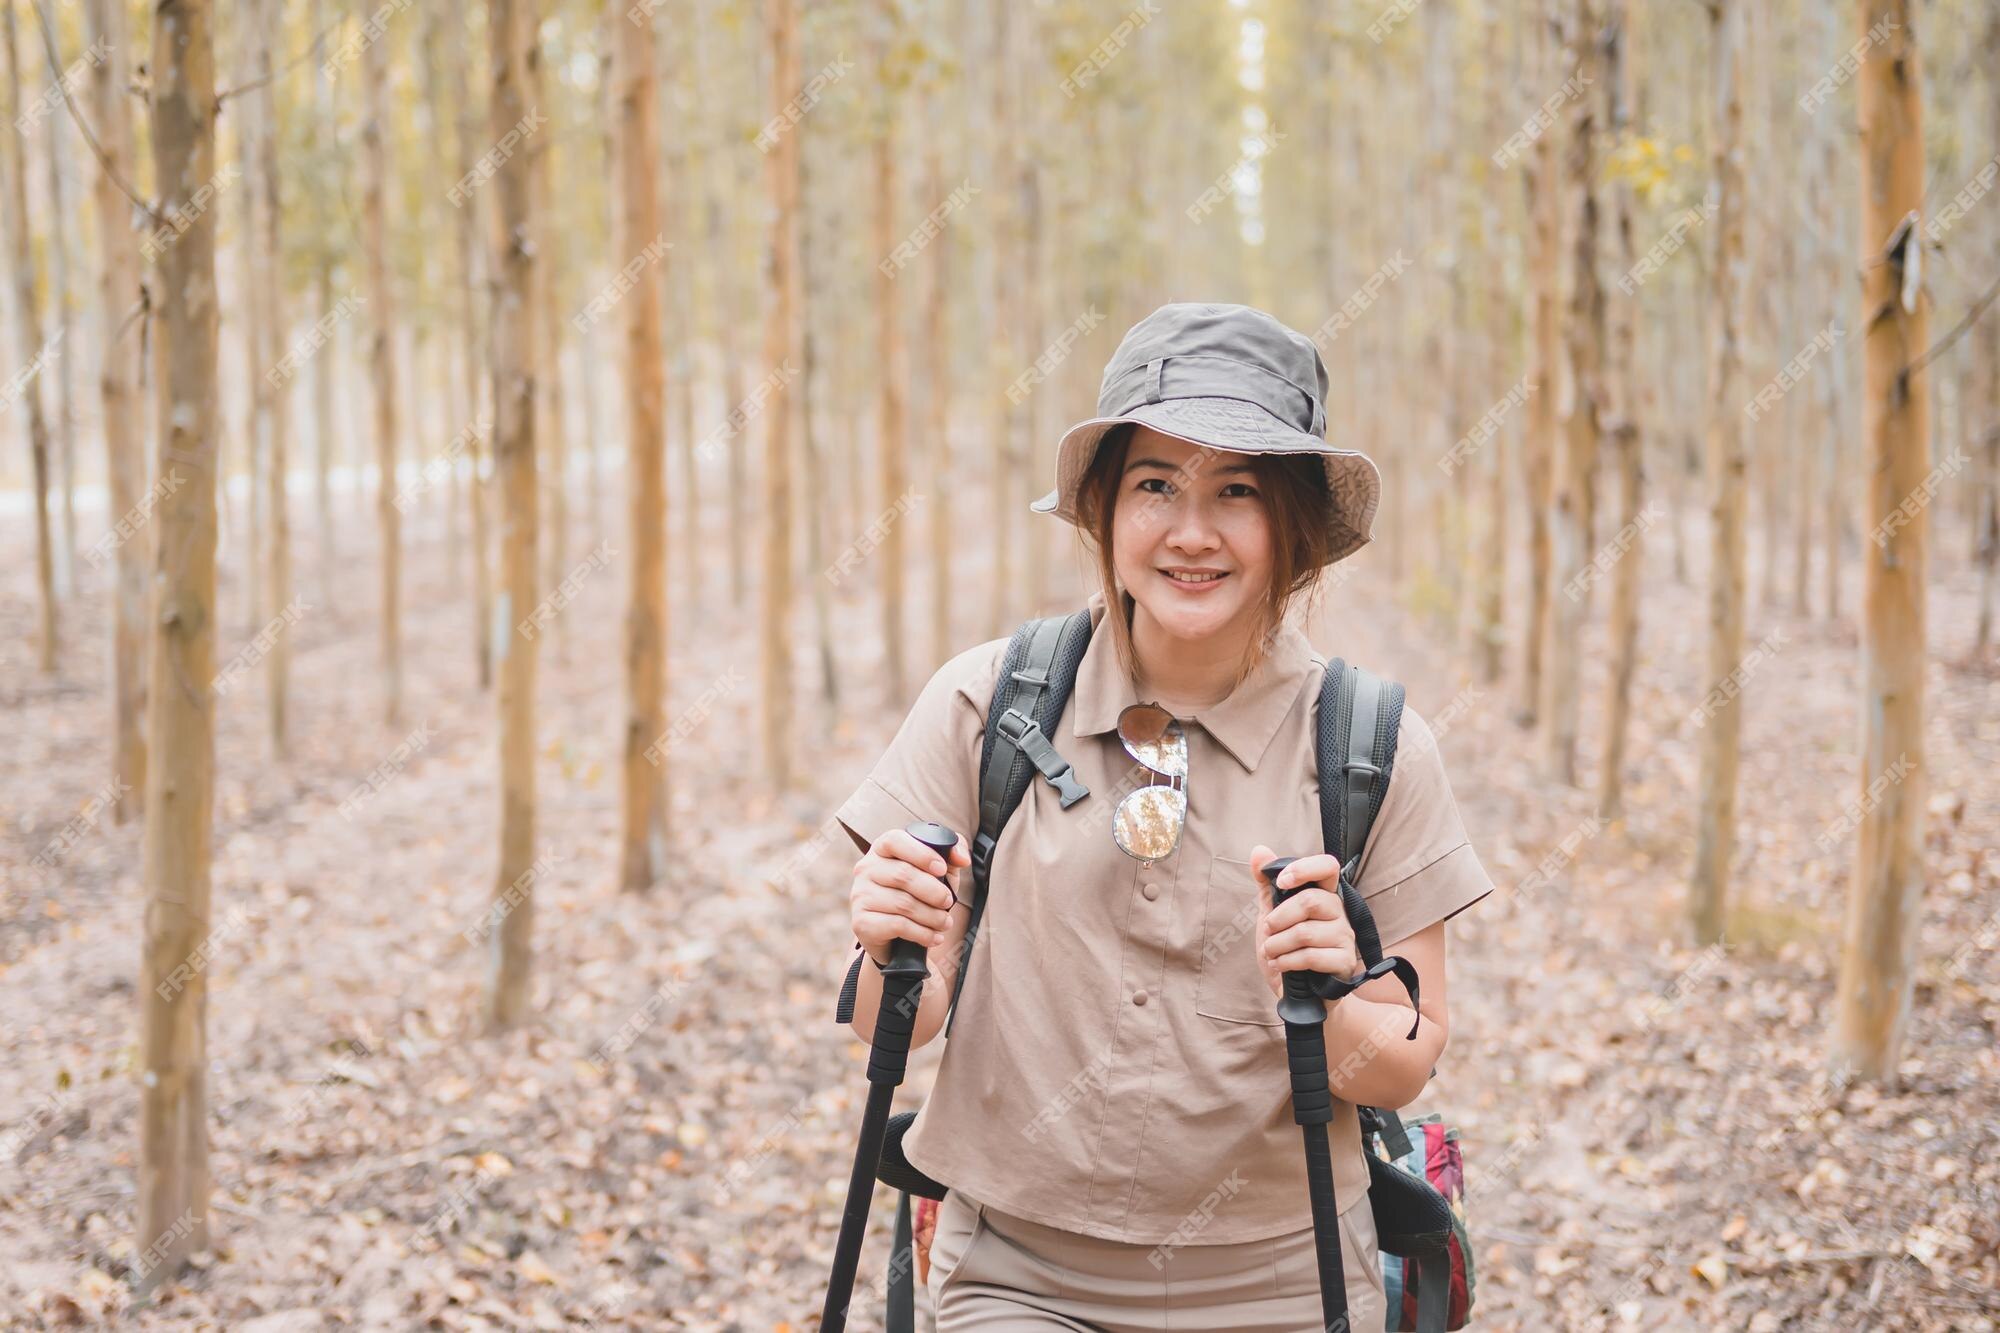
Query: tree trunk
<point x="590" y="348"/>
<point x="551" y="371"/>
<point x="1836" y="272"/>
<point x="437" y="396"/>
<point x="681" y="436"/>
<point x="117" y="384"/>
<point x="33" y="355"/>
<point x="551" y="437"/>
<point x="724" y="180"/>
<point x="1986" y="515"/>
<point x="1827" y="277"/>
<point x="375" y="132"/>
<point x="274" y="397"/>
<point x="937" y="403"/>
<point x="1987" y="519"/>
<point x="781" y="175"/>
<point x="1764" y="329"/>
<point x="1622" y="420"/>
<point x="1719" y="715"/>
<point x="1878" y="955"/>
<point x="638" y="223"/>
<point x="1007" y="357"/>
<point x="1539" y="446"/>
<point x="1335" y="177"/>
<point x="731" y="438"/>
<point x="890" y="559"/>
<point x="809" y="453"/>
<point x="1570" y="519"/>
<point x="55" y="124"/>
<point x="326" y="361"/>
<point x="173" y="1187"/>
<point x="472" y="332"/>
<point x="1441" y="340"/>
<point x="247" y="302"/>
<point x="512" y="28"/>
<point x="677" y="281"/>
<point x="325" y="373"/>
<point x="1492" y="576"/>
<point x="1804" y="442"/>
<point x="1030" y="308"/>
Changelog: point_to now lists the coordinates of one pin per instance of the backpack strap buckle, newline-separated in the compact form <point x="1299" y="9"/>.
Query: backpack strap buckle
<point x="983" y="846"/>
<point x="1387" y="1126"/>
<point x="1025" y="732"/>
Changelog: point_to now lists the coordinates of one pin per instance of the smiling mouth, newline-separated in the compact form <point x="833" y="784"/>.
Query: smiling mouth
<point x="1194" y="580"/>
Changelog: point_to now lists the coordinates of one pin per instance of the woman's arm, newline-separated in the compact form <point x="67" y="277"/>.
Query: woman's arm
<point x="1371" y="1058"/>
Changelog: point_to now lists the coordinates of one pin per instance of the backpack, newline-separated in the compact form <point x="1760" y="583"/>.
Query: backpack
<point x="1415" y="1192"/>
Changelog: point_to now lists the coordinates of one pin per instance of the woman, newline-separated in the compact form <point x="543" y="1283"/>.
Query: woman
<point x="1114" y="1120"/>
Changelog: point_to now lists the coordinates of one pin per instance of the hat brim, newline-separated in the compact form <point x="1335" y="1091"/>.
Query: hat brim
<point x="1236" y="426"/>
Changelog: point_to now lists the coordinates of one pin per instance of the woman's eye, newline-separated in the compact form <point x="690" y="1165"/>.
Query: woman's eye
<point x="1240" y="488"/>
<point x="1146" y="484"/>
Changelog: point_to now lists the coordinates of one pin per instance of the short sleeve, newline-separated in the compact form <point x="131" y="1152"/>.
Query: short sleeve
<point x="1418" y="867"/>
<point x="930" y="770"/>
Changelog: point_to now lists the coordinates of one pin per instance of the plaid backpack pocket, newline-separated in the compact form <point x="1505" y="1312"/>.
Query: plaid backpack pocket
<point x="1433" y="1156"/>
<point x="926" y="1231"/>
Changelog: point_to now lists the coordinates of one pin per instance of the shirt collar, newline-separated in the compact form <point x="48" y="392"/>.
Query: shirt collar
<point x="1244" y="722"/>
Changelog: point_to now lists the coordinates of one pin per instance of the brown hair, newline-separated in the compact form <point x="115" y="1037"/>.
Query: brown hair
<point x="1295" y="494"/>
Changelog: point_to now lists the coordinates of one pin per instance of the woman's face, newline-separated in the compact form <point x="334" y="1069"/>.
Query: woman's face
<point x="1186" y="513"/>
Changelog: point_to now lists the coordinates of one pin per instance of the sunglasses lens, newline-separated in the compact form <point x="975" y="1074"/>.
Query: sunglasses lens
<point x="1148" y="822"/>
<point x="1153" y="736"/>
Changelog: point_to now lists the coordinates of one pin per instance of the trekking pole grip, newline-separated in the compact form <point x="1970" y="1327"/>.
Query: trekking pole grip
<point x="903" y="979"/>
<point x="1301" y="1002"/>
<point x="940" y="840"/>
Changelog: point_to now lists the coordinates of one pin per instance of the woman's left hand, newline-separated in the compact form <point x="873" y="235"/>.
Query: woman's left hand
<point x="1309" y="931"/>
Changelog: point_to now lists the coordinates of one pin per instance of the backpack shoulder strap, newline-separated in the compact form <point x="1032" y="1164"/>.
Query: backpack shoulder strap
<point x="1036" y="678"/>
<point x="1037" y="675"/>
<point x="1360" y="715"/>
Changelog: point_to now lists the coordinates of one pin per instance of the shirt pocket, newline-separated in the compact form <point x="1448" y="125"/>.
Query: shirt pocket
<point x="1231" y="985"/>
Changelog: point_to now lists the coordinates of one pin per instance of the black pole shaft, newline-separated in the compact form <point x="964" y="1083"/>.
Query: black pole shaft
<point x="854" y="1217"/>
<point x="1326" y="1230"/>
<point x="1304" y="1013"/>
<point x="888" y="1059"/>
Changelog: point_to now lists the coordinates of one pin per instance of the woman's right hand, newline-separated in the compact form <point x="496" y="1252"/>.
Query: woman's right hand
<point x="900" y="893"/>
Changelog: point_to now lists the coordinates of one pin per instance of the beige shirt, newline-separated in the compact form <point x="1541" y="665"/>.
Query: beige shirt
<point x="1117" y="1066"/>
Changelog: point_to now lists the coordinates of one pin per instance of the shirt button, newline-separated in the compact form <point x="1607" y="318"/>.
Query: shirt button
<point x="1151" y="891"/>
<point x="1139" y="998"/>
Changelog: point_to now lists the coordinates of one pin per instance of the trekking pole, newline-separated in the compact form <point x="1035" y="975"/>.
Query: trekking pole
<point x="1304" y="1012"/>
<point x="895" y="1020"/>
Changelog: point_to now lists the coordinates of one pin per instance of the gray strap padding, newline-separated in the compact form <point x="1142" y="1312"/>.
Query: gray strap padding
<point x="1360" y="769"/>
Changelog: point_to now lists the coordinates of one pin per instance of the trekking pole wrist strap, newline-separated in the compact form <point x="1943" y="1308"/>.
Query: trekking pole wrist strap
<point x="1336" y="988"/>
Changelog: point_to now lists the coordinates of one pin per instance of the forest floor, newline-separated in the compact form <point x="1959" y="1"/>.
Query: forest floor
<point x="1649" y="1136"/>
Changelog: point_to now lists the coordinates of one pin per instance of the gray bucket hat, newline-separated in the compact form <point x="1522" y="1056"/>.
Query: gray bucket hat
<point x="1229" y="377"/>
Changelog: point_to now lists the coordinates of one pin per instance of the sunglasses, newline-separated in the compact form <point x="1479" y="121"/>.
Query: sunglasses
<point x="1147" y="823"/>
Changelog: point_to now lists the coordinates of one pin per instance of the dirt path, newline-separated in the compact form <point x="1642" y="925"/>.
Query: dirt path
<point x="667" y="1146"/>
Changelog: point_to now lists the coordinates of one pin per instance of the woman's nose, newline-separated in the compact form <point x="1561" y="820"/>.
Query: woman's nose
<point x="1192" y="530"/>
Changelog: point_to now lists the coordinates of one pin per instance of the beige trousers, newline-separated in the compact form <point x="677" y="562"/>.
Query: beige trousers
<point x="993" y="1272"/>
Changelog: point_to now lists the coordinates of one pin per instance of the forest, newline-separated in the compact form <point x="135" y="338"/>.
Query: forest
<point x="481" y="481"/>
